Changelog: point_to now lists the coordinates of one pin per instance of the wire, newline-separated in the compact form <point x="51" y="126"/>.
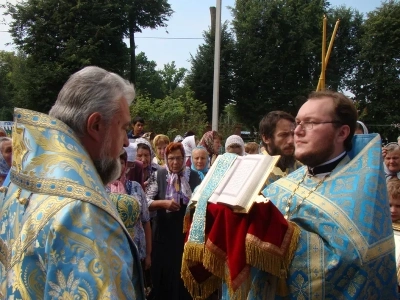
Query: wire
<point x="167" y="38"/>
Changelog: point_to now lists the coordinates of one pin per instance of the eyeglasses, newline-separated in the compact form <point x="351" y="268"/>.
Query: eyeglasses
<point x="178" y="159"/>
<point x="308" y="125"/>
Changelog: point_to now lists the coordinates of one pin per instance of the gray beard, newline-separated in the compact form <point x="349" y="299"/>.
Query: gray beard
<point x="108" y="169"/>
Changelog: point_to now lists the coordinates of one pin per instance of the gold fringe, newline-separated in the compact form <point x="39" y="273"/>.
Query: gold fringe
<point x="193" y="252"/>
<point x="186" y="223"/>
<point x="242" y="291"/>
<point x="199" y="290"/>
<point x="282" y="288"/>
<point x="267" y="262"/>
<point x="214" y="263"/>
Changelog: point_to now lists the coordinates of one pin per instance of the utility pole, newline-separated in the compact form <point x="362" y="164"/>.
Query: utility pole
<point x="217" y="58"/>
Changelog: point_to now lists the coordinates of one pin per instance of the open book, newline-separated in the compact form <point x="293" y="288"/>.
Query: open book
<point x="241" y="184"/>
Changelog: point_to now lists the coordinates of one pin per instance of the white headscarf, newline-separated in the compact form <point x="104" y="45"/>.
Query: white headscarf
<point x="234" y="140"/>
<point x="131" y="152"/>
<point x="189" y="144"/>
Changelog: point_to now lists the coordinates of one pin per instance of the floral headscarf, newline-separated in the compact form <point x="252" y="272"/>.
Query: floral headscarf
<point x="207" y="141"/>
<point x="204" y="171"/>
<point x="175" y="190"/>
<point x="146" y="142"/>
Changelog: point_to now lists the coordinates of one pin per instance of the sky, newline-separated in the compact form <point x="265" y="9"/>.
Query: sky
<point x="190" y="19"/>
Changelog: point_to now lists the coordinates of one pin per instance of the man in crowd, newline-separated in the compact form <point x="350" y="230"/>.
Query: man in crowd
<point x="137" y="126"/>
<point x="62" y="237"/>
<point x="346" y="246"/>
<point x="276" y="130"/>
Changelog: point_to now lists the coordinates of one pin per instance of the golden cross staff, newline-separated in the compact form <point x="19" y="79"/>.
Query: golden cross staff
<point x="325" y="55"/>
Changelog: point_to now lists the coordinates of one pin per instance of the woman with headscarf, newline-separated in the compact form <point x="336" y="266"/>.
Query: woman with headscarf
<point x="141" y="230"/>
<point x="234" y="144"/>
<point x="211" y="140"/>
<point x="189" y="143"/>
<point x="145" y="154"/>
<point x="5" y="157"/>
<point x="160" y="142"/>
<point x="200" y="161"/>
<point x="175" y="184"/>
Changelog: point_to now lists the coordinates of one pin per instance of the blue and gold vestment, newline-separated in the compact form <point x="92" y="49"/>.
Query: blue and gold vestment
<point x="61" y="236"/>
<point x="346" y="246"/>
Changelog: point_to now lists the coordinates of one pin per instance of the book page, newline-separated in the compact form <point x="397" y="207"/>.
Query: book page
<point x="221" y="186"/>
<point x="244" y="180"/>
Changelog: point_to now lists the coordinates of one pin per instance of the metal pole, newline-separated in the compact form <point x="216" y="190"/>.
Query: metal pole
<point x="217" y="57"/>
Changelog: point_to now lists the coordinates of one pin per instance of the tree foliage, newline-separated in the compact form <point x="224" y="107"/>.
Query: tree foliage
<point x="61" y="37"/>
<point x="141" y="14"/>
<point x="201" y="74"/>
<point x="377" y="77"/>
<point x="7" y="60"/>
<point x="278" y="54"/>
<point x="346" y="48"/>
<point x="171" y="115"/>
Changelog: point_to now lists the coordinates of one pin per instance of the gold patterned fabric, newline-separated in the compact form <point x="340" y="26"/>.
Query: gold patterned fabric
<point x="61" y="236"/>
<point x="346" y="246"/>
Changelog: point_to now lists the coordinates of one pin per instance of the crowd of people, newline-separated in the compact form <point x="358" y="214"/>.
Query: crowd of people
<point x="93" y="205"/>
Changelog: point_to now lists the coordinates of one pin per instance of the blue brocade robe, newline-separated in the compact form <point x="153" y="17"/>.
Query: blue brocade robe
<point x="61" y="236"/>
<point x="346" y="246"/>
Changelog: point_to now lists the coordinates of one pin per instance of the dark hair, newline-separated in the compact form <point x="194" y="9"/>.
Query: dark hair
<point x="189" y="133"/>
<point x="174" y="146"/>
<point x="268" y="123"/>
<point x="137" y="119"/>
<point x="344" y="112"/>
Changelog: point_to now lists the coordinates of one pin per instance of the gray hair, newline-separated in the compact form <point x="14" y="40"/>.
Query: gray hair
<point x="392" y="147"/>
<point x="2" y="140"/>
<point x="87" y="91"/>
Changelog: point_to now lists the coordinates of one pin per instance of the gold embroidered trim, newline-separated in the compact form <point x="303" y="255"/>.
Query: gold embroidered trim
<point x="64" y="188"/>
<point x="36" y="119"/>
<point x="367" y="252"/>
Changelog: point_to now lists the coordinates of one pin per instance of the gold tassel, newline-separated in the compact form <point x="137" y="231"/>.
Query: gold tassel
<point x="199" y="290"/>
<point x="293" y="245"/>
<point x="266" y="262"/>
<point x="186" y="223"/>
<point x="213" y="263"/>
<point x="194" y="252"/>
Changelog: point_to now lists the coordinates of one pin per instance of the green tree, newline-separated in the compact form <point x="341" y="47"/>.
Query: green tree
<point x="346" y="48"/>
<point x="149" y="80"/>
<point x="278" y="52"/>
<point x="171" y="115"/>
<point x="171" y="77"/>
<point x="201" y="74"/>
<point x="143" y="14"/>
<point x="7" y="60"/>
<point x="377" y="77"/>
<point x="61" y="37"/>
